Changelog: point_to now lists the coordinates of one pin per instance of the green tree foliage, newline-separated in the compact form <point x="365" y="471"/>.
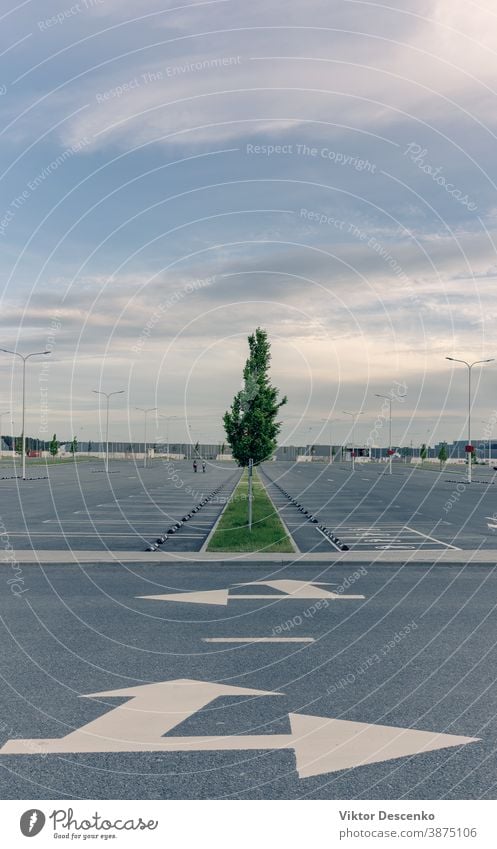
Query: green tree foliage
<point x="423" y="452"/>
<point x="442" y="454"/>
<point x="18" y="445"/>
<point x="251" y="424"/>
<point x="54" y="445"/>
<point x="74" y="446"/>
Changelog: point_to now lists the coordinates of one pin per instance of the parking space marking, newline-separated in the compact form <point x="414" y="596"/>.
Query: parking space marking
<point x="118" y="534"/>
<point x="433" y="539"/>
<point x="336" y="547"/>
<point x="388" y="536"/>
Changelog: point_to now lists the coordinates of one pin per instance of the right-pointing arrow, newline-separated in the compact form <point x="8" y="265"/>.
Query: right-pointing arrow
<point x="329" y="745"/>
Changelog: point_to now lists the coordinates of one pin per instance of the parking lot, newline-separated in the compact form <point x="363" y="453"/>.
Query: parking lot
<point x="176" y="674"/>
<point x="409" y="510"/>
<point x="80" y="507"/>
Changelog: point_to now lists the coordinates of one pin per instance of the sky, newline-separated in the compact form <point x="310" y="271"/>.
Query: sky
<point x="173" y="175"/>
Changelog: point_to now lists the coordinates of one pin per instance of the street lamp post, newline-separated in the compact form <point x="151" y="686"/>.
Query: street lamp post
<point x="390" y="450"/>
<point x="469" y="367"/>
<point x="489" y="440"/>
<point x="330" y="422"/>
<point x="108" y="396"/>
<point x="354" y="419"/>
<point x="167" y="420"/>
<point x="2" y="414"/>
<point x="24" y="358"/>
<point x="146" y="411"/>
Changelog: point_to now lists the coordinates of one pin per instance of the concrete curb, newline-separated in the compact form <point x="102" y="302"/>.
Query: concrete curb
<point x="469" y="557"/>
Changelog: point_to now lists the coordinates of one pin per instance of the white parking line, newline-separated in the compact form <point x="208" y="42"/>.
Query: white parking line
<point x="336" y="547"/>
<point x="96" y="522"/>
<point x="83" y="534"/>
<point x="439" y="541"/>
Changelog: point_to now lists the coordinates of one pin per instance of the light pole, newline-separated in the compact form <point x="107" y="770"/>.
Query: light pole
<point x="167" y="420"/>
<point x="489" y="438"/>
<point x="2" y="414"/>
<point x="354" y="419"/>
<point x="330" y="422"/>
<point x="469" y="367"/>
<point x="145" y="410"/>
<point x="108" y="396"/>
<point x="389" y="399"/>
<point x="24" y="358"/>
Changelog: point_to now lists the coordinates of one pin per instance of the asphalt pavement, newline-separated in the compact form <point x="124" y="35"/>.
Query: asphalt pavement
<point x="188" y="678"/>
<point x="370" y="509"/>
<point x="417" y="652"/>
<point x="79" y="506"/>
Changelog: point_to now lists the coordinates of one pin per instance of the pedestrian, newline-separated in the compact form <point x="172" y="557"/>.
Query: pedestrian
<point x="194" y="465"/>
<point x="203" y="465"/>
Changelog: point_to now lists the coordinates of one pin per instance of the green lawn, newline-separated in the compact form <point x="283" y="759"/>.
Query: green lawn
<point x="232" y="533"/>
<point x="46" y="461"/>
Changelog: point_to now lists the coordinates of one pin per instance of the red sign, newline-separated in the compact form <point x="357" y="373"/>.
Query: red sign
<point x="469" y="449"/>
<point x="390" y="452"/>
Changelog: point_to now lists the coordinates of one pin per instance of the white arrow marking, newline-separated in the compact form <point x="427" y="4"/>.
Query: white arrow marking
<point x="330" y="745"/>
<point x="290" y="590"/>
<point x="297" y="589"/>
<point x="321" y="745"/>
<point x="138" y="725"/>
<point x="202" y="597"/>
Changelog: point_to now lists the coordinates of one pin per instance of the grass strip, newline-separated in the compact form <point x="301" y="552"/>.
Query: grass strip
<point x="267" y="534"/>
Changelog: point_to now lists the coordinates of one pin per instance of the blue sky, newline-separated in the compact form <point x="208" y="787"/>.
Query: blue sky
<point x="172" y="179"/>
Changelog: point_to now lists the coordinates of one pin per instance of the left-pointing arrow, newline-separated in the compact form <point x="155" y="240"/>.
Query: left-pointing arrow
<point x="202" y="597"/>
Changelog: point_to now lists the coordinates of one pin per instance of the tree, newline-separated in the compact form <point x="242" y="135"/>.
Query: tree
<point x="90" y="446"/>
<point x="423" y="452"/>
<point x="54" y="445"/>
<point x="74" y="446"/>
<point x="251" y="426"/>
<point x="442" y="454"/>
<point x="18" y="445"/>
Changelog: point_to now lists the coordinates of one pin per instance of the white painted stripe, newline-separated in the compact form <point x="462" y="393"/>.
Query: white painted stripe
<point x="327" y="538"/>
<point x="433" y="539"/>
<point x="125" y="520"/>
<point x="258" y="640"/>
<point x="84" y="534"/>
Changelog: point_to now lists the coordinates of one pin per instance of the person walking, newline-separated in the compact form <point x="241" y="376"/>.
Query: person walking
<point x="194" y="465"/>
<point x="203" y="465"/>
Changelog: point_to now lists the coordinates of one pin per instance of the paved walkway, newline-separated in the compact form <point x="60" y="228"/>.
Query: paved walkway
<point x="360" y="556"/>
